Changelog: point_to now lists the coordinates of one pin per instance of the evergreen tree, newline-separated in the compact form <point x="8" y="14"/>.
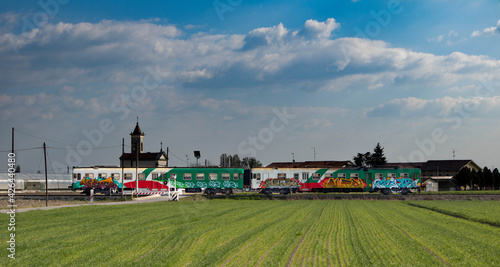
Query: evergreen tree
<point x="496" y="178"/>
<point x="377" y="158"/>
<point x="487" y="178"/>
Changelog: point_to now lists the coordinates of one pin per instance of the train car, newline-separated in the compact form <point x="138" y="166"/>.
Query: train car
<point x="394" y="180"/>
<point x="384" y="180"/>
<point x="285" y="180"/>
<point x="209" y="180"/>
<point x="108" y="180"/>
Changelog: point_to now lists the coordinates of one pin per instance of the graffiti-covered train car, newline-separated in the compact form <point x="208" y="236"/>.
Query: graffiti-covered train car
<point x="211" y="180"/>
<point x="286" y="180"/>
<point x="110" y="180"/>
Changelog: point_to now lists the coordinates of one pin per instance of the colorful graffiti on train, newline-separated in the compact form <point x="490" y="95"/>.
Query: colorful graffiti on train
<point x="279" y="182"/>
<point x="99" y="183"/>
<point x="392" y="183"/>
<point x="343" y="183"/>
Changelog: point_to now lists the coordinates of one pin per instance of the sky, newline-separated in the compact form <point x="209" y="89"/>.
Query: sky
<point x="275" y="80"/>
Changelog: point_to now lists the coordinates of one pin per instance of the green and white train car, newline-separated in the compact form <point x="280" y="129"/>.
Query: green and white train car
<point x="109" y="180"/>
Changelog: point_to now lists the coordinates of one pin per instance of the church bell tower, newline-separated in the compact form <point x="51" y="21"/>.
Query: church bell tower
<point x="137" y="139"/>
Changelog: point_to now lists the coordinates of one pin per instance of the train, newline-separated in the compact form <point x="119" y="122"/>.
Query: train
<point x="112" y="180"/>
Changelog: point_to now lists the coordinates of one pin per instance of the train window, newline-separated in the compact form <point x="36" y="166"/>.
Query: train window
<point x="200" y="176"/>
<point x="341" y="175"/>
<point x="256" y="176"/>
<point x="102" y="175"/>
<point x="77" y="176"/>
<point x="404" y="175"/>
<point x="414" y="175"/>
<point x="154" y="175"/>
<point x="225" y="176"/>
<point x="296" y="176"/>
<point x="212" y="176"/>
<point x="187" y="176"/>
<point x="173" y="176"/>
<point x="391" y="175"/>
<point x="305" y="176"/>
<point x="90" y="175"/>
<point x="235" y="176"/>
<point x="127" y="176"/>
<point x="379" y="176"/>
<point x="142" y="176"/>
<point x="115" y="176"/>
<point x="316" y="176"/>
<point x="329" y="175"/>
<point x="281" y="175"/>
<point x="355" y="175"/>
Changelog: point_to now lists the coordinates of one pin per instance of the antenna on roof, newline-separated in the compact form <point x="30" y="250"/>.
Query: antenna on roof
<point x="453" y="150"/>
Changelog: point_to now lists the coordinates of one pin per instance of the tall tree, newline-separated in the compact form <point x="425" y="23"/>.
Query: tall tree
<point x="496" y="178"/>
<point x="362" y="160"/>
<point x="250" y="162"/>
<point x="378" y="158"/>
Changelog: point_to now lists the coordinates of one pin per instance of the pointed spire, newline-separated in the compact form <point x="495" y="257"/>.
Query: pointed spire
<point x="161" y="146"/>
<point x="137" y="130"/>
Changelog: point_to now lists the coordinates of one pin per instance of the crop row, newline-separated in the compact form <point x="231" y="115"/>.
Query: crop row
<point x="257" y="233"/>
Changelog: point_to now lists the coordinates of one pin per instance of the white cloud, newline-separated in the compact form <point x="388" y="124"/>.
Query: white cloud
<point x="488" y="31"/>
<point x="439" y="108"/>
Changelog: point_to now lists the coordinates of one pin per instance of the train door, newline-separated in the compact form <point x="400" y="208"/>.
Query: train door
<point x="368" y="180"/>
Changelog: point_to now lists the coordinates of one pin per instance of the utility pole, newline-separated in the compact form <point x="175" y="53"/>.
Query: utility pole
<point x="314" y="149"/>
<point x="121" y="163"/>
<point x="12" y="140"/>
<point x="453" y="150"/>
<point x="167" y="156"/>
<point x="46" y="180"/>
<point x="137" y="166"/>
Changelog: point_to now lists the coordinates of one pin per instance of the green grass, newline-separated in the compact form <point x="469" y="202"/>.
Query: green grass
<point x="479" y="211"/>
<point x="253" y="232"/>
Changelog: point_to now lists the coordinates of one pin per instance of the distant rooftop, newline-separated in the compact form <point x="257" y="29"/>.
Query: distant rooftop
<point x="311" y="164"/>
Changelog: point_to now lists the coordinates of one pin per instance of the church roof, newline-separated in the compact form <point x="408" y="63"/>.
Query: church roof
<point x="137" y="130"/>
<point x="148" y="156"/>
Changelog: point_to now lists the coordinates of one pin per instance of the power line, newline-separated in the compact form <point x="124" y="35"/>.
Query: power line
<point x="45" y="139"/>
<point x="170" y="152"/>
<point x="22" y="149"/>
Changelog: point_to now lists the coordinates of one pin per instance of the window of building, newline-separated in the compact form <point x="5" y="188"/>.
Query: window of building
<point x="212" y="176"/>
<point x="127" y="176"/>
<point x="200" y="176"/>
<point x="225" y="176"/>
<point x="187" y="176"/>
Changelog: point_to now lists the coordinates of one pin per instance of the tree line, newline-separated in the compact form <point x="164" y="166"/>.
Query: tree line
<point x="485" y="179"/>
<point x="234" y="161"/>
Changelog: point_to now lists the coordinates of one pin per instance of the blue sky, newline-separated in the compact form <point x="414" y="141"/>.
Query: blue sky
<point x="254" y="78"/>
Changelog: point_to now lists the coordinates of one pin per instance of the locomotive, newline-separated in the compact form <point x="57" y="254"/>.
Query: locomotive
<point x="112" y="180"/>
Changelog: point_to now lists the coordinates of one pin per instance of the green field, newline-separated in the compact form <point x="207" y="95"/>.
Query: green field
<point x="257" y="232"/>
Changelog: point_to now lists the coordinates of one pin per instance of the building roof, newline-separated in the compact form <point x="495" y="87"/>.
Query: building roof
<point x="311" y="164"/>
<point x="143" y="156"/>
<point x="449" y="165"/>
<point x="405" y="164"/>
<point x="137" y="130"/>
